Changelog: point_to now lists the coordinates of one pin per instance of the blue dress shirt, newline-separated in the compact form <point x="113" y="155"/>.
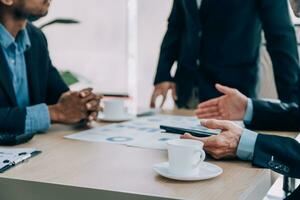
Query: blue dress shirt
<point x="37" y="117"/>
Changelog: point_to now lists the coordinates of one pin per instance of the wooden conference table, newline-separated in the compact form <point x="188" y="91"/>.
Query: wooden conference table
<point x="70" y="169"/>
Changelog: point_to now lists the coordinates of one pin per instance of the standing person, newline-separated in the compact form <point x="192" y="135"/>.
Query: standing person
<point x="219" y="42"/>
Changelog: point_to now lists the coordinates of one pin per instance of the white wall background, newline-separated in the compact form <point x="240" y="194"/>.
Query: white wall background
<point x="98" y="47"/>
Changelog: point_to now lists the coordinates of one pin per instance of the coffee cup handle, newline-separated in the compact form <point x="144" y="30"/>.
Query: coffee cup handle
<point x="202" y="157"/>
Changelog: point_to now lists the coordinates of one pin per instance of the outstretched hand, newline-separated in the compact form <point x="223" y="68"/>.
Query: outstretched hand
<point x="231" y="106"/>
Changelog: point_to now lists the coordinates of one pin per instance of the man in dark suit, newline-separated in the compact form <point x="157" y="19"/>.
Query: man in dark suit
<point x="218" y="41"/>
<point x="32" y="93"/>
<point x="279" y="154"/>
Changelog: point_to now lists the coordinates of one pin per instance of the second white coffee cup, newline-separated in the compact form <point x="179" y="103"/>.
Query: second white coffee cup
<point x="113" y="108"/>
<point x="185" y="156"/>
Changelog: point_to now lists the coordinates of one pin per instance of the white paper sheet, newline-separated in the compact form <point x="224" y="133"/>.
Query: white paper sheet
<point x="143" y="132"/>
<point x="12" y="154"/>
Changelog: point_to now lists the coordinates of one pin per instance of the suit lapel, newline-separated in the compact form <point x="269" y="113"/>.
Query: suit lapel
<point x="32" y="70"/>
<point x="192" y="9"/>
<point x="5" y="79"/>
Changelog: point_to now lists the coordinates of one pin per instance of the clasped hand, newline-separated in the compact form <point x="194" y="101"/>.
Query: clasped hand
<point x="73" y="107"/>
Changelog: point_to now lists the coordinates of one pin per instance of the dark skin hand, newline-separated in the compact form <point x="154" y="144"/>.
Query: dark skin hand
<point x="92" y="102"/>
<point x="74" y="107"/>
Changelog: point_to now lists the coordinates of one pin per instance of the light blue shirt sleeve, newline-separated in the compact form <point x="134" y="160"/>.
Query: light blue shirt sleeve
<point x="246" y="146"/>
<point x="37" y="119"/>
<point x="249" y="112"/>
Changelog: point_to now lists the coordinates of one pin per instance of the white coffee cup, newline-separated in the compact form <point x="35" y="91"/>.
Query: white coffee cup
<point x="185" y="156"/>
<point x="113" y="108"/>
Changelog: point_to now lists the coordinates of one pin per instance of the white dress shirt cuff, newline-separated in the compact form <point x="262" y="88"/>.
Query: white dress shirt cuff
<point x="249" y="112"/>
<point x="246" y="145"/>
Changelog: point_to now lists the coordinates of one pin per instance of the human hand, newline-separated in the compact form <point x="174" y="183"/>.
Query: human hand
<point x="223" y="145"/>
<point x="72" y="107"/>
<point x="162" y="89"/>
<point x="92" y="102"/>
<point x="231" y="106"/>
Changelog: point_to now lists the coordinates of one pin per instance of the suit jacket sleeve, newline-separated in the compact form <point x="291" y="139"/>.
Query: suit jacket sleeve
<point x="15" y="115"/>
<point x="171" y="44"/>
<point x="55" y="84"/>
<point x="282" y="47"/>
<point x="275" y="116"/>
<point x="280" y="154"/>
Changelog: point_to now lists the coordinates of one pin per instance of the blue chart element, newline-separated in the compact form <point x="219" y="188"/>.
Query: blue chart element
<point x="142" y="129"/>
<point x="164" y="139"/>
<point x="119" y="139"/>
<point x="154" y="120"/>
<point x="153" y="130"/>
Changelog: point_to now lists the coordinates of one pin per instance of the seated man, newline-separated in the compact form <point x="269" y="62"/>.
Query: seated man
<point x="257" y="114"/>
<point x="32" y="93"/>
<point x="277" y="153"/>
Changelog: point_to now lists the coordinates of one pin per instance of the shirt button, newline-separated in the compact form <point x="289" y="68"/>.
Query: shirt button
<point x="271" y="164"/>
<point x="286" y="169"/>
<point x="198" y="62"/>
<point x="13" y="61"/>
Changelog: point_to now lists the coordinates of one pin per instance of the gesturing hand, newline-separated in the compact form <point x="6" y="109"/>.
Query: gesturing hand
<point x="223" y="145"/>
<point x="162" y="89"/>
<point x="231" y="106"/>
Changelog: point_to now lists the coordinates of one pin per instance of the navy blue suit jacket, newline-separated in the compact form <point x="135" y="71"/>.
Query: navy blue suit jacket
<point x="45" y="84"/>
<point x="225" y="36"/>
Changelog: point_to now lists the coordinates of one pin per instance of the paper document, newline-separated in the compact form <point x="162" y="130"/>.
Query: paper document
<point x="143" y="132"/>
<point x="10" y="156"/>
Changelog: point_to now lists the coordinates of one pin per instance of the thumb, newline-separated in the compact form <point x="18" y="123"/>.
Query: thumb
<point x="216" y="124"/>
<point x="224" y="89"/>
<point x="205" y="140"/>
<point x="174" y="93"/>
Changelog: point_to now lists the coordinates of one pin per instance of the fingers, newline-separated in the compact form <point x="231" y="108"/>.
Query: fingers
<point x="225" y="89"/>
<point x="164" y="95"/>
<point x="93" y="105"/>
<point x="214" y="115"/>
<point x="189" y="136"/>
<point x="208" y="141"/>
<point x="153" y="99"/>
<point x="157" y="94"/>
<point x="209" y="103"/>
<point x="93" y="116"/>
<point x="216" y="124"/>
<point x="174" y="93"/>
<point x="85" y="92"/>
<point x="207" y="110"/>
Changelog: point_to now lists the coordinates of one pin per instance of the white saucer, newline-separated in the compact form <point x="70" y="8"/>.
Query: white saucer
<point x="123" y="118"/>
<point x="206" y="171"/>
